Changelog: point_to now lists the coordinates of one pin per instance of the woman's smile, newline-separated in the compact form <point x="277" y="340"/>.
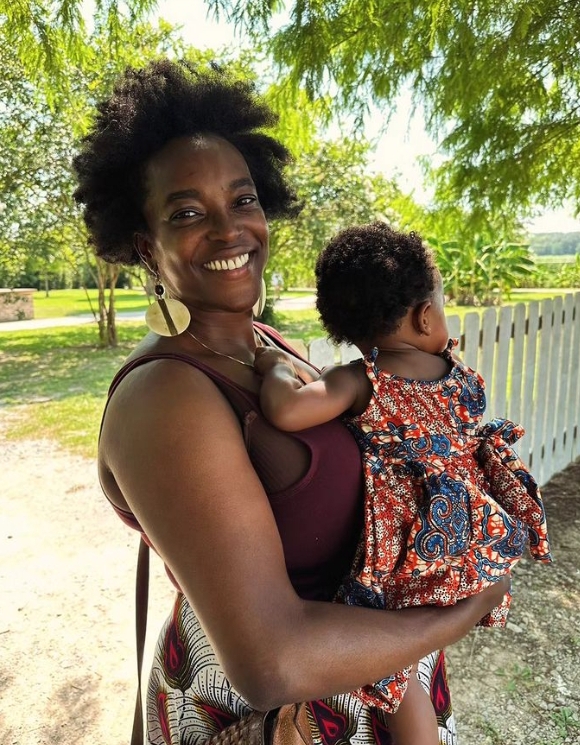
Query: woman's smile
<point x="227" y="264"/>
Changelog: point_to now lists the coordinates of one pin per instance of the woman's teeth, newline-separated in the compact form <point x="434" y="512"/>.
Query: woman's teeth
<point x="224" y="264"/>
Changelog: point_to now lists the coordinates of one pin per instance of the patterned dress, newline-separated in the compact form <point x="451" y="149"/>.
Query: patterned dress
<point x="449" y="506"/>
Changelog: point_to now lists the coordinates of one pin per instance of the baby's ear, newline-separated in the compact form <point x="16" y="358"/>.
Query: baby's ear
<point x="421" y="318"/>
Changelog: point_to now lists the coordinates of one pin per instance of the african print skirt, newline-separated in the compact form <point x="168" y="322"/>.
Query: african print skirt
<point x="189" y="698"/>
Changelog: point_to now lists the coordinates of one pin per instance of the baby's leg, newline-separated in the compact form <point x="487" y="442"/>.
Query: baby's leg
<point x="414" y="722"/>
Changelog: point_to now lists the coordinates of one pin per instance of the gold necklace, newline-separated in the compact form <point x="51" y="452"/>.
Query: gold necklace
<point x="257" y="339"/>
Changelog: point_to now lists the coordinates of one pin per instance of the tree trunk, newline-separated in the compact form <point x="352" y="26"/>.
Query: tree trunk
<point x="106" y="277"/>
<point x="113" y="271"/>
<point x="102" y="302"/>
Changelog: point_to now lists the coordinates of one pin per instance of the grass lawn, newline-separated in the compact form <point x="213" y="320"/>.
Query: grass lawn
<point x="528" y="296"/>
<point x="299" y="324"/>
<point x="62" y="303"/>
<point x="305" y="324"/>
<point x="53" y="382"/>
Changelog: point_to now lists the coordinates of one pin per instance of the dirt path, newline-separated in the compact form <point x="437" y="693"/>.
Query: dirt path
<point x="67" y="563"/>
<point x="67" y="657"/>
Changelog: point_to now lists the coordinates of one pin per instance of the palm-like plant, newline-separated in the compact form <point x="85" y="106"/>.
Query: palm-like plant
<point x="481" y="272"/>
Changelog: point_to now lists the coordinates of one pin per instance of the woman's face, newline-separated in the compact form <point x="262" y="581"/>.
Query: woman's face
<point x="207" y="233"/>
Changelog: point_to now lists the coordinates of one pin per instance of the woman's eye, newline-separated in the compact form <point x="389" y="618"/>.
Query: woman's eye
<point x="185" y="214"/>
<point x="247" y="200"/>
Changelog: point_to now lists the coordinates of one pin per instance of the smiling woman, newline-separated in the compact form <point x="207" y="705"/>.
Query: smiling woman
<point x="257" y="527"/>
<point x="207" y="234"/>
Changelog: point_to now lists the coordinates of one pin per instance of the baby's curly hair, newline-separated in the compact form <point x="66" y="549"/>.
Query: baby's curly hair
<point x="368" y="277"/>
<point x="150" y="107"/>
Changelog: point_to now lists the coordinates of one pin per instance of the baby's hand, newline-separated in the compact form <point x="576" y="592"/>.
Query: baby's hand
<point x="267" y="358"/>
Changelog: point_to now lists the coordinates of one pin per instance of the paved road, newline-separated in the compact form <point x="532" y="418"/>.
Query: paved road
<point x="294" y="303"/>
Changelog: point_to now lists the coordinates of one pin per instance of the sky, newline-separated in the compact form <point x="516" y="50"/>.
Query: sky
<point x="397" y="151"/>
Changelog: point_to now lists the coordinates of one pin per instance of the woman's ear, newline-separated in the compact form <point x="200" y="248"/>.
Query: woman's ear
<point x="421" y="318"/>
<point x="144" y="249"/>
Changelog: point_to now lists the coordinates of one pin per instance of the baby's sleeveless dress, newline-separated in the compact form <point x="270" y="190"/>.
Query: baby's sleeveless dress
<point x="449" y="506"/>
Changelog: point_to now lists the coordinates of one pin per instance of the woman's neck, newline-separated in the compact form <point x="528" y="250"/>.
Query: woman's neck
<point x="226" y="332"/>
<point x="226" y="342"/>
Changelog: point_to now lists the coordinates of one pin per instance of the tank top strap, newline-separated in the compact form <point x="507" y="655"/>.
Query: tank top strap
<point x="269" y="333"/>
<point x="316" y="469"/>
<point x="244" y="402"/>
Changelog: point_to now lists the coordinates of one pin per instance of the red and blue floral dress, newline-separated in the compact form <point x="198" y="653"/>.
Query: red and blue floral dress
<point x="449" y="506"/>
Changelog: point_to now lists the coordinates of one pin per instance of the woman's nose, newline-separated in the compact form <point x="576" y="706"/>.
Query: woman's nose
<point x="224" y="226"/>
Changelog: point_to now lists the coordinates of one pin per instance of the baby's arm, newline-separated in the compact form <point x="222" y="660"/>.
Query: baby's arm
<point x="292" y="405"/>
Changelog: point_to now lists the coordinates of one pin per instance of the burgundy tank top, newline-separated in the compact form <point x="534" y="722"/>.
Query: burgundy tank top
<point x="313" y="480"/>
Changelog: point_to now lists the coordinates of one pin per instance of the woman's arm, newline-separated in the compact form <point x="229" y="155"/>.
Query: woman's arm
<point x="292" y="405"/>
<point x="174" y="447"/>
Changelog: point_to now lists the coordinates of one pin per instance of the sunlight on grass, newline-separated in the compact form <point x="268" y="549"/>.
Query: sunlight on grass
<point x="73" y="422"/>
<point x="62" y="303"/>
<point x="299" y="324"/>
<point x="54" y="382"/>
<point x="306" y="325"/>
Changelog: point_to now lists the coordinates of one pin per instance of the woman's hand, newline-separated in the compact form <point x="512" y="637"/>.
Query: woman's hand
<point x="461" y="618"/>
<point x="477" y="606"/>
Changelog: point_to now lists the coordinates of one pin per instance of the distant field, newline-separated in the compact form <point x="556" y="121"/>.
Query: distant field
<point x="563" y="259"/>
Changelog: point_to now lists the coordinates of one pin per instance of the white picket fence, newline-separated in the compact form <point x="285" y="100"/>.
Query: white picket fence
<point x="529" y="356"/>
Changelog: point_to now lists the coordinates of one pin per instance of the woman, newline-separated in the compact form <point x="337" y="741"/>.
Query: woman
<point x="256" y="526"/>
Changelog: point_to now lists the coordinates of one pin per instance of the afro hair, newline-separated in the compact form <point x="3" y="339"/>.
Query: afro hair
<point x="368" y="277"/>
<point x="148" y="108"/>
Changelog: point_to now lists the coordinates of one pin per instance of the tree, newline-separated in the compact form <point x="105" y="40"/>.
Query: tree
<point x="478" y="272"/>
<point x="333" y="180"/>
<point x="40" y="225"/>
<point x="499" y="82"/>
<point x="34" y="174"/>
<point x="47" y="35"/>
<point x="555" y="244"/>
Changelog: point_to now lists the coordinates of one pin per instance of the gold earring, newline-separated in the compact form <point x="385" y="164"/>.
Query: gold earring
<point x="166" y="317"/>
<point x="258" y="308"/>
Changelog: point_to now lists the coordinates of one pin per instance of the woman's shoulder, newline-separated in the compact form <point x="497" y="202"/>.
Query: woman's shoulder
<point x="155" y="405"/>
<point x="171" y="360"/>
<point x="157" y="389"/>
